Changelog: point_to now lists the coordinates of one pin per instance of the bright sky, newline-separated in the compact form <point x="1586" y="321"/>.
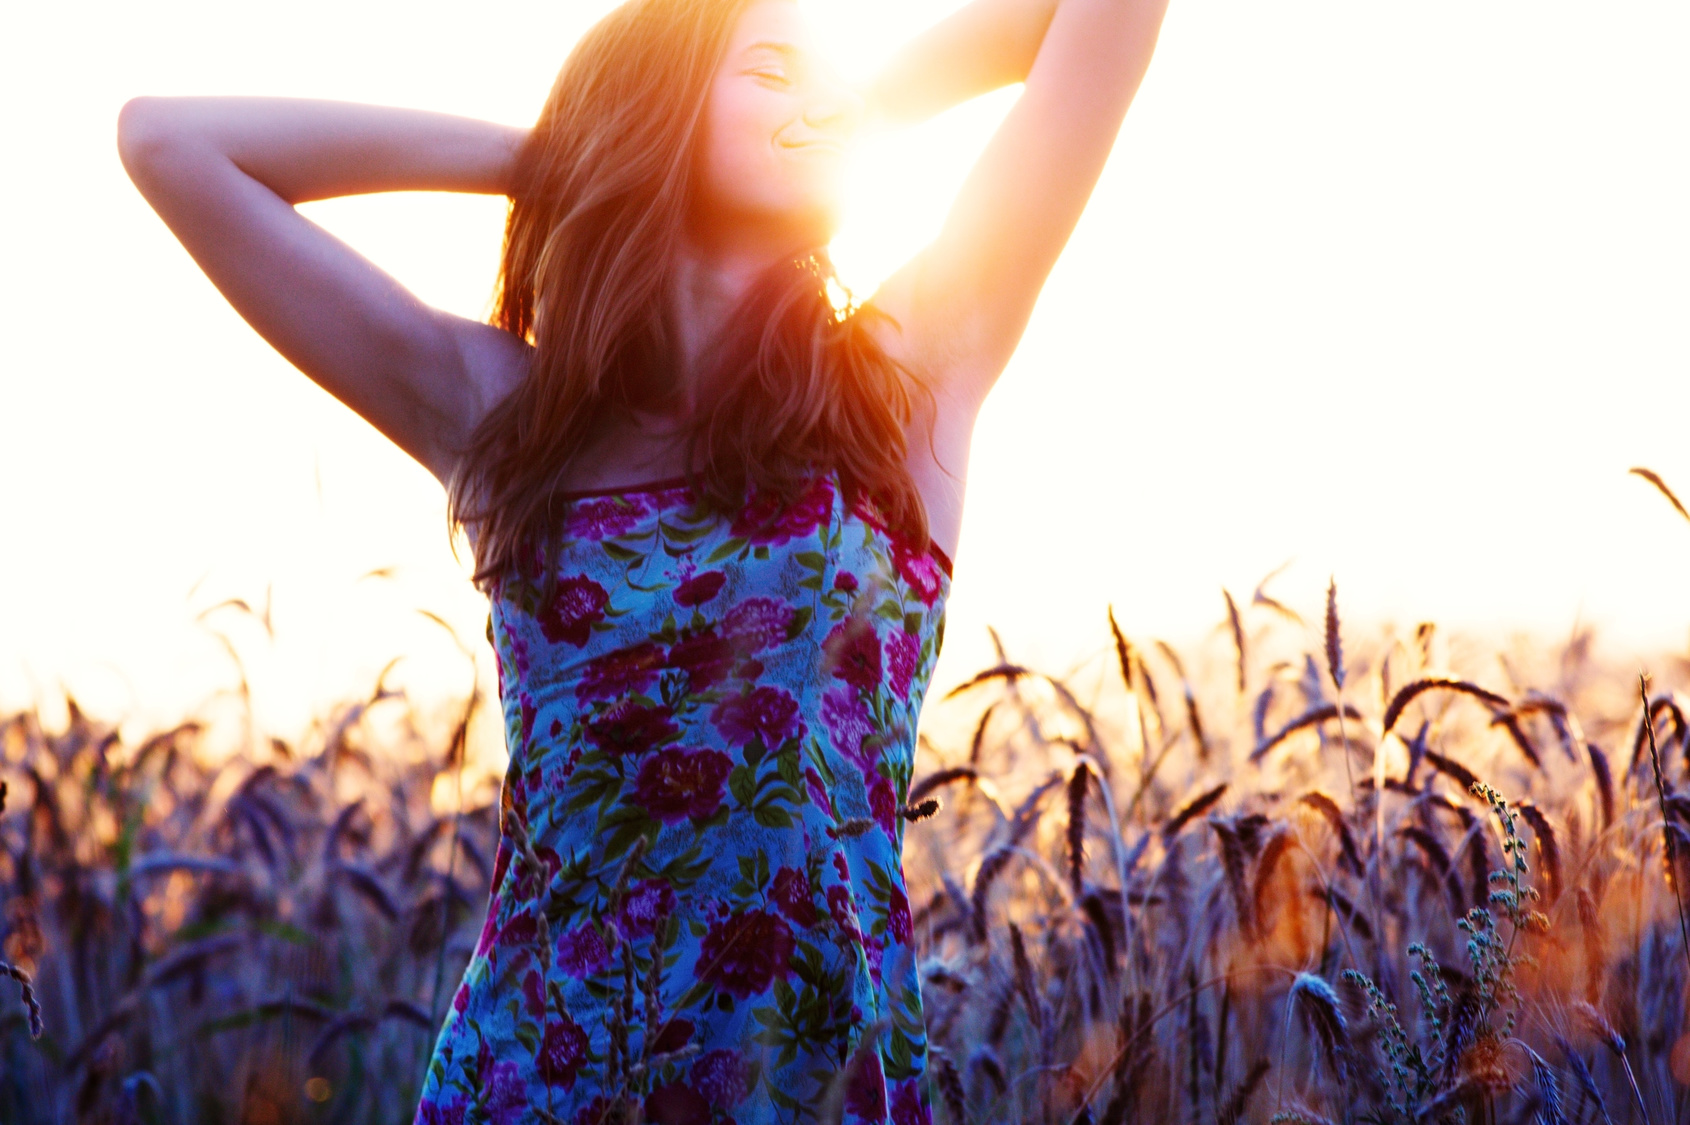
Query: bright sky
<point x="1396" y="291"/>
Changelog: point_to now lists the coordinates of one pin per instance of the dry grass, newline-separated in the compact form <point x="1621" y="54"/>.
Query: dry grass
<point x="262" y="940"/>
<point x="1177" y="901"/>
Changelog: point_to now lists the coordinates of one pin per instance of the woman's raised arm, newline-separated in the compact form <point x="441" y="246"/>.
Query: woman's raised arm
<point x="964" y="300"/>
<point x="224" y="174"/>
<point x="976" y="49"/>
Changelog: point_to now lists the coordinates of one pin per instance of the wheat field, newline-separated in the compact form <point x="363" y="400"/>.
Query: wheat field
<point x="1290" y="874"/>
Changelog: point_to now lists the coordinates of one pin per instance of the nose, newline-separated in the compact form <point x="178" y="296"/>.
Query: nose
<point x="837" y="108"/>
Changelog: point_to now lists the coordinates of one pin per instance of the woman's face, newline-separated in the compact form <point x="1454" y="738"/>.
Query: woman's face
<point x="776" y="127"/>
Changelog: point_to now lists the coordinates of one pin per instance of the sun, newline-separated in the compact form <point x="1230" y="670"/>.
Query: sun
<point x="900" y="184"/>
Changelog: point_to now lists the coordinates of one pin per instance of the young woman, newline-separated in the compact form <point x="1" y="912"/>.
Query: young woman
<point x="712" y="506"/>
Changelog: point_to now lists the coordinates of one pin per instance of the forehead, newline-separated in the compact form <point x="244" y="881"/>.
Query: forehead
<point x="768" y="26"/>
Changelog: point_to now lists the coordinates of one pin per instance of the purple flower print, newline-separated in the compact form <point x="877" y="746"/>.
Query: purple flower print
<point x="700" y="588"/>
<point x="675" y="784"/>
<point x="818" y="791"/>
<point x="866" y="1096"/>
<point x="744" y="952"/>
<point x="519" y="931"/>
<point x="430" y="1112"/>
<point x="898" y="922"/>
<point x="920" y="571"/>
<point x="562" y="1051"/>
<point x="676" y="1103"/>
<point x="557" y="776"/>
<point x="581" y="951"/>
<point x="851" y="653"/>
<point x="705" y="656"/>
<point x="764" y="712"/>
<point x="630" y="728"/>
<point x="762" y="521"/>
<point x="577" y="606"/>
<point x="883" y="806"/>
<point x="519" y="649"/>
<point x="501" y="864"/>
<point x="529" y="882"/>
<point x="757" y="623"/>
<point x="903" y="650"/>
<point x="847" y="720"/>
<point x="534" y="994"/>
<point x="645" y="906"/>
<point x="722" y="1077"/>
<point x="622" y="672"/>
<point x="673" y="1036"/>
<point x="638" y="691"/>
<point x="601" y="517"/>
<point x="504" y="1095"/>
<point x="907" y="1106"/>
<point x="790" y="892"/>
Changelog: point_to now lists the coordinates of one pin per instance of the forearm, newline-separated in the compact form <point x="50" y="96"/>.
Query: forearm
<point x="979" y="48"/>
<point x="304" y="149"/>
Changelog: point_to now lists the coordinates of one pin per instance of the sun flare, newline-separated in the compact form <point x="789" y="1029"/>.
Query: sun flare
<point x="900" y="183"/>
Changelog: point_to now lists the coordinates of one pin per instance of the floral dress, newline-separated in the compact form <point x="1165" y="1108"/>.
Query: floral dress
<point x="698" y="906"/>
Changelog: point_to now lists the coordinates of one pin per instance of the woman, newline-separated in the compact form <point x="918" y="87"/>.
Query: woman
<point x="713" y="509"/>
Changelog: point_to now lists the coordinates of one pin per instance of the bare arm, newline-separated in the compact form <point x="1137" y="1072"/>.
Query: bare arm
<point x="224" y="173"/>
<point x="976" y="49"/>
<point x="965" y="299"/>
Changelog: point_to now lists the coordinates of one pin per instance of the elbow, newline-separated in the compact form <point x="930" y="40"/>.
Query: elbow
<point x="145" y="134"/>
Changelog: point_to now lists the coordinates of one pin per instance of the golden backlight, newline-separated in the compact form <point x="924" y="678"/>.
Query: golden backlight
<point x="1394" y="291"/>
<point x="902" y="181"/>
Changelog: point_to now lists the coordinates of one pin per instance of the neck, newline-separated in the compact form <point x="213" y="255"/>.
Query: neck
<point x="713" y="269"/>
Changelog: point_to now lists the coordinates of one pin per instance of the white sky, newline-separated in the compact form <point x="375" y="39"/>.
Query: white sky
<point x="1397" y="291"/>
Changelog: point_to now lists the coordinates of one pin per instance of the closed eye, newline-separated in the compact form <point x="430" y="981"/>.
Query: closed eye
<point x="776" y="59"/>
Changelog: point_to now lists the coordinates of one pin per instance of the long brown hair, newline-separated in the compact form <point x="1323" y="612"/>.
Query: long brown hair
<point x="600" y="196"/>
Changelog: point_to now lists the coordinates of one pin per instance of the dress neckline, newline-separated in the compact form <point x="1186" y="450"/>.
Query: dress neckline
<point x="669" y="483"/>
<point x="624" y="489"/>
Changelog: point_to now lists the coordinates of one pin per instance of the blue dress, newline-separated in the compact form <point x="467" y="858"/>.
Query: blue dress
<point x="698" y="903"/>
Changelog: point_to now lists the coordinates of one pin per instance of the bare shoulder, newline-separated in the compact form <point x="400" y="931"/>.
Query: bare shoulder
<point x="494" y="365"/>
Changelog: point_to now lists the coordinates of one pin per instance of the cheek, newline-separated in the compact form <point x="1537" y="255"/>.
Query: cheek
<point x="740" y="163"/>
<point x="738" y="154"/>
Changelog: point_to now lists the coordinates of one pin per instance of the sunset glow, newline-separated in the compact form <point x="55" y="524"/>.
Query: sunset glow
<point x="1317" y="626"/>
<point x="1380" y="290"/>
